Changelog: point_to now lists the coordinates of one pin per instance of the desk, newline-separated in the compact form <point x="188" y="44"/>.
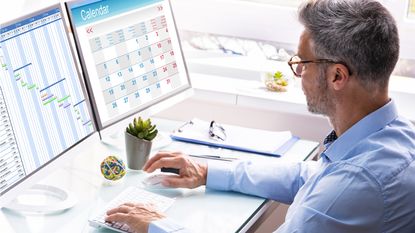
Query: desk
<point x="201" y="209"/>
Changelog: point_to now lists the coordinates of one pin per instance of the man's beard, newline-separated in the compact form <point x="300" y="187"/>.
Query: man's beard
<point x="322" y="101"/>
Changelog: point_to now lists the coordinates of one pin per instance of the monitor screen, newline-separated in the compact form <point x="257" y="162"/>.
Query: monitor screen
<point x="131" y="55"/>
<point x="43" y="107"/>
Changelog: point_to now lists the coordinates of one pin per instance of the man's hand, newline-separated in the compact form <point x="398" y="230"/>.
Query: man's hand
<point x="136" y="216"/>
<point x="192" y="174"/>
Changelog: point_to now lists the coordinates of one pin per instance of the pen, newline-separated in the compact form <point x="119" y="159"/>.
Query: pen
<point x="214" y="157"/>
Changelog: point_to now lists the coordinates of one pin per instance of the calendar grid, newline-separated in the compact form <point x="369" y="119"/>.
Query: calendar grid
<point x="149" y="84"/>
<point x="134" y="63"/>
<point x="127" y="74"/>
<point x="121" y="35"/>
<point x="145" y="90"/>
<point x="130" y="55"/>
<point x="145" y="74"/>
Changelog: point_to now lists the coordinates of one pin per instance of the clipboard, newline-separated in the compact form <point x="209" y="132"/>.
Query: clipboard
<point x="257" y="141"/>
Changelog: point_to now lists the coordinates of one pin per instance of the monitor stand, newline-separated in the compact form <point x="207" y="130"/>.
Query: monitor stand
<point x="42" y="199"/>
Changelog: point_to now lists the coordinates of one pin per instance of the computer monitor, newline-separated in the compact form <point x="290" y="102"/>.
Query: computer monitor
<point x="44" y="110"/>
<point x="131" y="56"/>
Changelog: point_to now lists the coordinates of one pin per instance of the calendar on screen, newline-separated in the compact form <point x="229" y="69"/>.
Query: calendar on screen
<point x="131" y="54"/>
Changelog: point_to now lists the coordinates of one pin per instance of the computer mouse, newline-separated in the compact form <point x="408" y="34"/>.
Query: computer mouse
<point x="154" y="181"/>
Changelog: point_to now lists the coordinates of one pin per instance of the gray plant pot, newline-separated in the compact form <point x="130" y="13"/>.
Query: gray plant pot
<point x="137" y="151"/>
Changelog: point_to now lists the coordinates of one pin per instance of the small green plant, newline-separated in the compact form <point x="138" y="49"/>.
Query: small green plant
<point x="142" y="129"/>
<point x="276" y="81"/>
<point x="280" y="79"/>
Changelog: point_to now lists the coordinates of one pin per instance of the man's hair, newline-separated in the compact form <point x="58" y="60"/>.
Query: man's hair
<point x="361" y="33"/>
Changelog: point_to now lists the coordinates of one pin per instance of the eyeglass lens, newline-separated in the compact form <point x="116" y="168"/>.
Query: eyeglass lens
<point x="297" y="68"/>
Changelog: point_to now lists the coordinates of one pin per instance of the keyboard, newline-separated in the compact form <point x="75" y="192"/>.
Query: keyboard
<point x="134" y="195"/>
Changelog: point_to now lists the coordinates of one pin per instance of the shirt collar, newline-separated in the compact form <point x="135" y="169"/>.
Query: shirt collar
<point x="336" y="150"/>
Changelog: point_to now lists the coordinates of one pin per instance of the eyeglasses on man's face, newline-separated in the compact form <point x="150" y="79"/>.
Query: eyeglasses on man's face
<point x="297" y="65"/>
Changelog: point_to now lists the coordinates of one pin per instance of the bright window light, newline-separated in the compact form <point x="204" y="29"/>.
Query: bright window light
<point x="291" y="3"/>
<point x="411" y="9"/>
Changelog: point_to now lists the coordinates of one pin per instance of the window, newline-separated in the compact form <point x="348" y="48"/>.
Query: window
<point x="411" y="9"/>
<point x="291" y="3"/>
<point x="262" y="28"/>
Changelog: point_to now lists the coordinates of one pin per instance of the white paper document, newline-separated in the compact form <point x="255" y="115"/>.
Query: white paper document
<point x="237" y="138"/>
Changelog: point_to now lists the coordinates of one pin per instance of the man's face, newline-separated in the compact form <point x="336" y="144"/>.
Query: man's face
<point x="313" y="79"/>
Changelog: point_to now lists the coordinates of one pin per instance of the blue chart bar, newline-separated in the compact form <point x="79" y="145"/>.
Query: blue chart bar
<point x="87" y="122"/>
<point x="79" y="102"/>
<point x="22" y="67"/>
<point x="53" y="84"/>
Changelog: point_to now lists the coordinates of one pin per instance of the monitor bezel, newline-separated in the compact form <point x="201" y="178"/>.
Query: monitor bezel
<point x="36" y="175"/>
<point x="146" y="109"/>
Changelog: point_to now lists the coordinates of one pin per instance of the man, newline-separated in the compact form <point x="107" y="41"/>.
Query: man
<point x="365" y="178"/>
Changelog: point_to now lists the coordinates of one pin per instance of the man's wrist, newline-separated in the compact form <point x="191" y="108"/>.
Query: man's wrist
<point x="204" y="170"/>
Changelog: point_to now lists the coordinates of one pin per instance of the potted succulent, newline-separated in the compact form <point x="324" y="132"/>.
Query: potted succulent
<point x="138" y="141"/>
<point x="276" y="81"/>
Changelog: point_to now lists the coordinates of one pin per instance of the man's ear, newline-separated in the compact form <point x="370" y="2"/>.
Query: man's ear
<point x="339" y="76"/>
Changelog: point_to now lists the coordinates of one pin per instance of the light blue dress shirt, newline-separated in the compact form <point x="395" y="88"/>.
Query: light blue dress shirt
<point x="363" y="182"/>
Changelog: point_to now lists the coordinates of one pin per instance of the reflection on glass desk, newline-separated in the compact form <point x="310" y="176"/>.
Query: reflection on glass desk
<point x="200" y="209"/>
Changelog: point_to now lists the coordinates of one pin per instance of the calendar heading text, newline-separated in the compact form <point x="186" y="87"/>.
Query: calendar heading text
<point x="92" y="13"/>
